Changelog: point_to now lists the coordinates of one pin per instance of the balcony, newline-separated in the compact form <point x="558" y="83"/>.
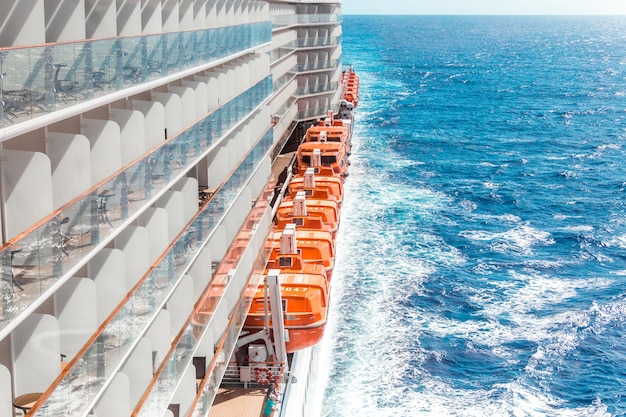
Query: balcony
<point x="56" y="246"/>
<point x="43" y="79"/>
<point x="306" y="19"/>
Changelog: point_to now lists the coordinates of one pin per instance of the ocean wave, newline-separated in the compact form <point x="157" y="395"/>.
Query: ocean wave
<point x="520" y="239"/>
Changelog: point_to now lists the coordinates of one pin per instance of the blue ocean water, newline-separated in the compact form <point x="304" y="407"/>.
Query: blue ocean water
<point x="482" y="253"/>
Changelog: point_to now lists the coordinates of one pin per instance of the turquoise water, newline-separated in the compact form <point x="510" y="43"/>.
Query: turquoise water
<point x="482" y="252"/>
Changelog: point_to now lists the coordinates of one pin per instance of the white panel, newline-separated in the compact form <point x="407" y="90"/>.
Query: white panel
<point x="186" y="391"/>
<point x="218" y="243"/>
<point x="154" y="114"/>
<point x="239" y="212"/>
<point x="100" y="18"/>
<point x="202" y="104"/>
<point x="170" y="15"/>
<point x="151" y="16"/>
<point x="104" y="139"/>
<point x="211" y="14"/>
<point x="236" y="149"/>
<point x="155" y="221"/>
<point x="219" y="321"/>
<point x="189" y="187"/>
<point x="138" y="367"/>
<point x="108" y="270"/>
<point x="218" y="167"/>
<point x="70" y="164"/>
<point x="133" y="241"/>
<point x="160" y="336"/>
<point x="75" y="306"/>
<point x="22" y="173"/>
<point x="199" y="14"/>
<point x="115" y="401"/>
<point x="186" y="14"/>
<point x="19" y="28"/>
<point x="132" y="133"/>
<point x="6" y="406"/>
<point x="201" y="272"/>
<point x="212" y="90"/>
<point x="173" y="110"/>
<point x="65" y="20"/>
<point x="222" y="88"/>
<point x="128" y="17"/>
<point x="188" y="104"/>
<point x="181" y="303"/>
<point x="173" y="202"/>
<point x="36" y="354"/>
<point x="206" y="346"/>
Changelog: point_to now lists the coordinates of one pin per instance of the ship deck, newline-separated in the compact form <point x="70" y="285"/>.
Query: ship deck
<point x="238" y="402"/>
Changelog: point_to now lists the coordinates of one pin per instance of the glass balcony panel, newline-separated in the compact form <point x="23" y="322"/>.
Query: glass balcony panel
<point x="156" y="53"/>
<point x="90" y="69"/>
<point x="105" y="66"/>
<point x="133" y="51"/>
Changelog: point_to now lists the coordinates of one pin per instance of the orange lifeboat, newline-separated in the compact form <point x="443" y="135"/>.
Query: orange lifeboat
<point x="315" y="246"/>
<point x="305" y="305"/>
<point x="301" y="218"/>
<point x="350" y="83"/>
<point x="327" y="158"/>
<point x="330" y="130"/>
<point x="304" y="291"/>
<point x="326" y="210"/>
<point x="313" y="185"/>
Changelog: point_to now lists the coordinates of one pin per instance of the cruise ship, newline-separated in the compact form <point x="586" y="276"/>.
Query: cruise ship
<point x="141" y="163"/>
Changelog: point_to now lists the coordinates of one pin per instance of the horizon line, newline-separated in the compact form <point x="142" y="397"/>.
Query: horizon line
<point x="488" y="14"/>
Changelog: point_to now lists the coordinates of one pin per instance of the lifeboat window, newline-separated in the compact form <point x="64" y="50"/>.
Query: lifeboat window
<point x="308" y="192"/>
<point x="306" y="159"/>
<point x="284" y="262"/>
<point x="328" y="160"/>
<point x="299" y="221"/>
<point x="284" y="305"/>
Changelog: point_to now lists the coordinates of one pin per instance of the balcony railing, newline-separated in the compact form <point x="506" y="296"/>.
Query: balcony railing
<point x="316" y="65"/>
<point x="311" y="113"/>
<point x="306" y="19"/>
<point x="42" y="79"/>
<point x="279" y="53"/>
<point x="315" y="42"/>
<point x="47" y="252"/>
<point x="316" y="89"/>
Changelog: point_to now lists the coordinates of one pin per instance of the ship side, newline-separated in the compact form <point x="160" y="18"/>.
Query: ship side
<point x="141" y="167"/>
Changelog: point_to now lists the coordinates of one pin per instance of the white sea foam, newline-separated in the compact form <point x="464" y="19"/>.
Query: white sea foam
<point x="616" y="241"/>
<point x="520" y="239"/>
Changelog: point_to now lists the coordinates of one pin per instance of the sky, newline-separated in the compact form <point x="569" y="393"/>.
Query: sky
<point x="512" y="7"/>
